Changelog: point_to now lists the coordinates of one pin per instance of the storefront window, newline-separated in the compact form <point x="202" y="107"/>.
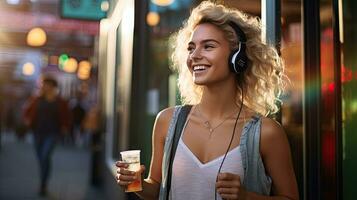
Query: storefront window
<point x="348" y="34"/>
<point x="292" y="107"/>
<point x="162" y="22"/>
<point x="328" y="102"/>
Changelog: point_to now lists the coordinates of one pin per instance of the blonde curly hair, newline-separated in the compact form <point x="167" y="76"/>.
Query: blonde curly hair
<point x="262" y="80"/>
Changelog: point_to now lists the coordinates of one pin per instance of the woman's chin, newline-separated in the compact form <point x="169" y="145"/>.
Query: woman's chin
<point x="199" y="81"/>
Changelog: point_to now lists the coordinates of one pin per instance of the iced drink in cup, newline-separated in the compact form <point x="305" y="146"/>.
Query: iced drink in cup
<point x="132" y="158"/>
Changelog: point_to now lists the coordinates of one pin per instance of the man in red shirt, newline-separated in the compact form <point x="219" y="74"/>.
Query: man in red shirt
<point x="48" y="116"/>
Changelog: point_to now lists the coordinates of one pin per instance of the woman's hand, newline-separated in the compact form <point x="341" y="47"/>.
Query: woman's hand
<point x="229" y="186"/>
<point x="124" y="177"/>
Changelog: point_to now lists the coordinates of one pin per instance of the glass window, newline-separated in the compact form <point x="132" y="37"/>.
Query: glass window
<point x="116" y="64"/>
<point x="328" y="102"/>
<point x="159" y="87"/>
<point x="348" y="31"/>
<point x="292" y="110"/>
<point x="118" y="94"/>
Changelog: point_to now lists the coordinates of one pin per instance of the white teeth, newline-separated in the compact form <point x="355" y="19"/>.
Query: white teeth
<point x="199" y="67"/>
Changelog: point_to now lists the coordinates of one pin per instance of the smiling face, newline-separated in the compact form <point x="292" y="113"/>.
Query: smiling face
<point x="208" y="53"/>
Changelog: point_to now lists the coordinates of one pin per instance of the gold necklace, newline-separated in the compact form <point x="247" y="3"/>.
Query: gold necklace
<point x="208" y="125"/>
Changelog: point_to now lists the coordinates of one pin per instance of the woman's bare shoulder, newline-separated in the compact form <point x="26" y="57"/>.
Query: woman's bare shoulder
<point x="162" y="121"/>
<point x="272" y="134"/>
<point x="271" y="129"/>
<point x="165" y="115"/>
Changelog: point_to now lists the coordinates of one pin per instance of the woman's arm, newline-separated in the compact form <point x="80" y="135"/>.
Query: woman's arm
<point x="151" y="185"/>
<point x="276" y="155"/>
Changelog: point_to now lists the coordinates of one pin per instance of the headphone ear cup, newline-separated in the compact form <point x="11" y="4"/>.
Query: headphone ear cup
<point x="238" y="60"/>
<point x="231" y="61"/>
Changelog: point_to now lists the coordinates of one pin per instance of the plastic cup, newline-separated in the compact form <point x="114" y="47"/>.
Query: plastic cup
<point x="132" y="158"/>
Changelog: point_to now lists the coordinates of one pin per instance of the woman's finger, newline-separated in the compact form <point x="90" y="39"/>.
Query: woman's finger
<point x="121" y="164"/>
<point x="228" y="191"/>
<point x="123" y="180"/>
<point x="228" y="184"/>
<point x="123" y="183"/>
<point x="126" y="177"/>
<point x="229" y="196"/>
<point x="228" y="176"/>
<point x="124" y="171"/>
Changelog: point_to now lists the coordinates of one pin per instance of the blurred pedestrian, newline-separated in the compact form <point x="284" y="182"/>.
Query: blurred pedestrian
<point x="229" y="148"/>
<point x="91" y="125"/>
<point x="78" y="111"/>
<point x="48" y="116"/>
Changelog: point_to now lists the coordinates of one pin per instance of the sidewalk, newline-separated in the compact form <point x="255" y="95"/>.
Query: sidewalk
<point x="19" y="174"/>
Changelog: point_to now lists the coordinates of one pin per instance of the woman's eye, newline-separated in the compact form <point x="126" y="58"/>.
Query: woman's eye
<point x="209" y="46"/>
<point x="190" y="49"/>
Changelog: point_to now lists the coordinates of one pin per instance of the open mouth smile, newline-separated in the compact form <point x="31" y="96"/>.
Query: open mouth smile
<point x="200" y="68"/>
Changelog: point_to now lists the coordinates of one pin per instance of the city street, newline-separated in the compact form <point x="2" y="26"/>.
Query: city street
<point x="19" y="174"/>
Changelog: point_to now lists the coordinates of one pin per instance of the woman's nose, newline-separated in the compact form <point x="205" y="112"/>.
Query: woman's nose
<point x="196" y="54"/>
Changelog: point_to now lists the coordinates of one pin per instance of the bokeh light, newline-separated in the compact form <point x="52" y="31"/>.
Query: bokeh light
<point x="152" y="18"/>
<point x="28" y="69"/>
<point x="70" y="65"/>
<point x="84" y="68"/>
<point x="62" y="59"/>
<point x="104" y="6"/>
<point x="36" y="37"/>
<point x="162" y="2"/>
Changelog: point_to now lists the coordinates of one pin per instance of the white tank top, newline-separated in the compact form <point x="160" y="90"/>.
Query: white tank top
<point x="193" y="180"/>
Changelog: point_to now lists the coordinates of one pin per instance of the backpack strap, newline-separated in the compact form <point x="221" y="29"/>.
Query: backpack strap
<point x="181" y="120"/>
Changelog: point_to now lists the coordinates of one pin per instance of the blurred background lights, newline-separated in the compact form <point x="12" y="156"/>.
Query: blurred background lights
<point x="83" y="76"/>
<point x="104" y="6"/>
<point x="152" y="18"/>
<point x="62" y="59"/>
<point x="85" y="64"/>
<point x="53" y="60"/>
<point x="353" y="106"/>
<point x="36" y="37"/>
<point x="28" y="69"/>
<point x="162" y="2"/>
<point x="70" y="65"/>
<point x="84" y="68"/>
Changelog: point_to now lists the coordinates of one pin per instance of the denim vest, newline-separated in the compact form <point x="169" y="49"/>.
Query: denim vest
<point x="255" y="178"/>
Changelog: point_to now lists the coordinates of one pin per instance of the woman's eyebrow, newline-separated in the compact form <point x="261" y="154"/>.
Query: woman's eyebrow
<point x="204" y="41"/>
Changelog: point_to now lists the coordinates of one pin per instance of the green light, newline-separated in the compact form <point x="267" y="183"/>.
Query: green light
<point x="63" y="58"/>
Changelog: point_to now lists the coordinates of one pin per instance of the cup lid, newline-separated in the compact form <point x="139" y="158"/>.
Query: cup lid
<point x="130" y="152"/>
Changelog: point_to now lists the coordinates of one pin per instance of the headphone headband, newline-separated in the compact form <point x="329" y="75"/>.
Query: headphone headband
<point x="238" y="31"/>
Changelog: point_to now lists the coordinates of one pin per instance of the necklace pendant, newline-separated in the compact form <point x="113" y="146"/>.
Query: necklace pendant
<point x="207" y="124"/>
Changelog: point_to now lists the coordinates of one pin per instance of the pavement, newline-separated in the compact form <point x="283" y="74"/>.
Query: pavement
<point x="19" y="173"/>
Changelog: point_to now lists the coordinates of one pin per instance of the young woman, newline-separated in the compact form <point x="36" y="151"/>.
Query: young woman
<point x="228" y="148"/>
